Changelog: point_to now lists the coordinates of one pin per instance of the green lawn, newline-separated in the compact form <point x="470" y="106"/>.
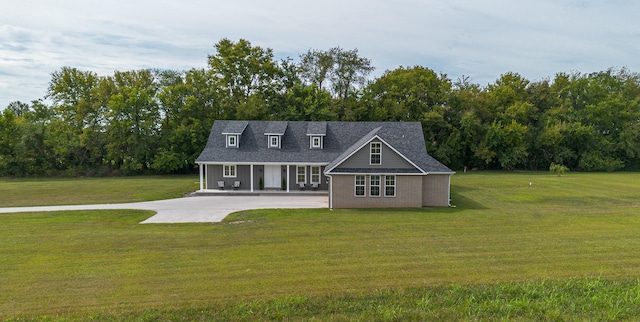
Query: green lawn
<point x="66" y="191"/>
<point x="566" y="245"/>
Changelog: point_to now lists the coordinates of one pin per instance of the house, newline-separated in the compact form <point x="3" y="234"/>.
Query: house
<point x="359" y="164"/>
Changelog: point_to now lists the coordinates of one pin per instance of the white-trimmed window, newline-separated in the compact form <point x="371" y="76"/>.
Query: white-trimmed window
<point x="232" y="141"/>
<point x="374" y="185"/>
<point x="229" y="171"/>
<point x="389" y="186"/>
<point x="316" y="142"/>
<point x="274" y="141"/>
<point x="315" y="174"/>
<point x="302" y="174"/>
<point x="360" y="185"/>
<point x="375" y="157"/>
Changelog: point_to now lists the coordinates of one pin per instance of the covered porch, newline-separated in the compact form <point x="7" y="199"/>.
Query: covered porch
<point x="216" y="192"/>
<point x="263" y="177"/>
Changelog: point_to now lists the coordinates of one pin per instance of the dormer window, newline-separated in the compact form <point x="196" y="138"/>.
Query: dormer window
<point x="316" y="142"/>
<point x="232" y="132"/>
<point x="316" y="131"/>
<point x="274" y="133"/>
<point x="232" y="141"/>
<point x="274" y="141"/>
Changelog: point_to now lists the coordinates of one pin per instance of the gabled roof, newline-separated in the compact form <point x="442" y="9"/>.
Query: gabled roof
<point x="317" y="129"/>
<point x="353" y="148"/>
<point x="275" y="128"/>
<point x="235" y="127"/>
<point x="341" y="140"/>
<point x="360" y="145"/>
<point x="406" y="139"/>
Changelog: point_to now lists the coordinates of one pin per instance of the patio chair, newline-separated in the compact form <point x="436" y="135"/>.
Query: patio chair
<point x="236" y="185"/>
<point x="314" y="186"/>
<point x="301" y="185"/>
<point x="221" y="185"/>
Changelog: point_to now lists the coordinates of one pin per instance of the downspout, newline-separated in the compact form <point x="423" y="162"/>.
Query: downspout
<point x="449" y="192"/>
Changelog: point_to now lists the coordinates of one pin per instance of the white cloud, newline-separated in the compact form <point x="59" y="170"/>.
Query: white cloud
<point x="480" y="39"/>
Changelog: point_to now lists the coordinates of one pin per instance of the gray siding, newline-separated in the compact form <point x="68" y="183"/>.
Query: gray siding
<point x="258" y="171"/>
<point x="293" y="176"/>
<point x="214" y="174"/>
<point x="244" y="175"/>
<point x="390" y="159"/>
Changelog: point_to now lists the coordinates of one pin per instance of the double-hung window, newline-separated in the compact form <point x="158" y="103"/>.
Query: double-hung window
<point x="302" y="174"/>
<point x="374" y="186"/>
<point x="229" y="171"/>
<point x="360" y="186"/>
<point x="376" y="153"/>
<point x="316" y="143"/>
<point x="389" y="186"/>
<point x="232" y="141"/>
<point x="274" y="141"/>
<point x="315" y="174"/>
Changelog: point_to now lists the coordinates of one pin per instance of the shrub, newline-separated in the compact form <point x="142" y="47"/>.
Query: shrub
<point x="558" y="169"/>
<point x="168" y="162"/>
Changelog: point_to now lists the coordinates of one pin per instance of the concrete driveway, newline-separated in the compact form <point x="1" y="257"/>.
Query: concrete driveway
<point x="195" y="209"/>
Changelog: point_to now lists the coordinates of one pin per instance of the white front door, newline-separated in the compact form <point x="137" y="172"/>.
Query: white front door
<point x="272" y="176"/>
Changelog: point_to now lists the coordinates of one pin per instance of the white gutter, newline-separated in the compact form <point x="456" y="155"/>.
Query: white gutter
<point x="381" y="173"/>
<point x="265" y="163"/>
<point x="448" y="186"/>
<point x="449" y="191"/>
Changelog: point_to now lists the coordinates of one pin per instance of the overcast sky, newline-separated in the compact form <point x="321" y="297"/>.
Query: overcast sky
<point x="479" y="39"/>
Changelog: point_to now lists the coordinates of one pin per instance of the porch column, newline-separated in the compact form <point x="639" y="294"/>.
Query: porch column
<point x="331" y="192"/>
<point x="201" y="177"/>
<point x="288" y="178"/>
<point x="251" y="171"/>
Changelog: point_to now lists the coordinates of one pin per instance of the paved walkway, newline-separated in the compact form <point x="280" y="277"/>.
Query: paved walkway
<point x="195" y="209"/>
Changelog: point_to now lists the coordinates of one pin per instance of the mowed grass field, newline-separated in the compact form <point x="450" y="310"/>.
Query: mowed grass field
<point x="565" y="248"/>
<point x="76" y="191"/>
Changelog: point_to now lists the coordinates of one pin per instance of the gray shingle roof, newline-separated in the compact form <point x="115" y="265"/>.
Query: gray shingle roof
<point x="354" y="147"/>
<point x="342" y="138"/>
<point x="276" y="128"/>
<point x="317" y="128"/>
<point x="235" y="127"/>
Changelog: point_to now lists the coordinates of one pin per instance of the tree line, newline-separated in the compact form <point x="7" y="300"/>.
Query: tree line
<point x="158" y="121"/>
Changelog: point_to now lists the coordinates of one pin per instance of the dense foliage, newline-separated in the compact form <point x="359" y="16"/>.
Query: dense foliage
<point x="152" y="121"/>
